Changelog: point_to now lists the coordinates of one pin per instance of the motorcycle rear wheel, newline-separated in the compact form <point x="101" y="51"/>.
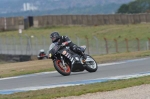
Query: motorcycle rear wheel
<point x="64" y="70"/>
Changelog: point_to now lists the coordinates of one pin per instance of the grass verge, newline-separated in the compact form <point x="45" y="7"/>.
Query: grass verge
<point x="78" y="90"/>
<point x="120" y="32"/>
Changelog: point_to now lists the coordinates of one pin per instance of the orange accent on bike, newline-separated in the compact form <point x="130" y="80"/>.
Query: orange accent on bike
<point x="64" y="52"/>
<point x="68" y="67"/>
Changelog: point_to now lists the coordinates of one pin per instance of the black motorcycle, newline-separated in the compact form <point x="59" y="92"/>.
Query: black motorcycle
<point x="66" y="61"/>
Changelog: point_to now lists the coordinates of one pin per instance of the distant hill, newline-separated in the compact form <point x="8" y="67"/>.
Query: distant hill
<point x="41" y="7"/>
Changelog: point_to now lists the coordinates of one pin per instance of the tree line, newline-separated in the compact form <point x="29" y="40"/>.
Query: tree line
<point x="136" y="6"/>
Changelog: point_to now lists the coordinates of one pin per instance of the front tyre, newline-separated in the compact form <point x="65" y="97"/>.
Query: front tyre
<point x="91" y="64"/>
<point x="64" y="70"/>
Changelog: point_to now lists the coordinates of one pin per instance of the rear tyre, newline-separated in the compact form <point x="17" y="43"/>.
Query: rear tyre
<point x="64" y="70"/>
<point x="91" y="64"/>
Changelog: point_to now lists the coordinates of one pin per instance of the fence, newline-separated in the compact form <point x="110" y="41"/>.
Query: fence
<point x="14" y="23"/>
<point x="89" y="20"/>
<point x="11" y="23"/>
<point x="30" y="45"/>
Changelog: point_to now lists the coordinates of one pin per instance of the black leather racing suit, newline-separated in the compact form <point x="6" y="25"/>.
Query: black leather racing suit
<point x="72" y="46"/>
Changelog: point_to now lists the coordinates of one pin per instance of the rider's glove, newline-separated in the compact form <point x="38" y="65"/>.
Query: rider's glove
<point x="65" y="43"/>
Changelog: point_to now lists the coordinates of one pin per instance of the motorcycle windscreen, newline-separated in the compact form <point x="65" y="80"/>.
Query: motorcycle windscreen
<point x="54" y="50"/>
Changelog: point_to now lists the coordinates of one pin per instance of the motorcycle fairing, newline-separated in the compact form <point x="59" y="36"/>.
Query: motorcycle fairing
<point x="74" y="58"/>
<point x="77" y="67"/>
<point x="68" y="55"/>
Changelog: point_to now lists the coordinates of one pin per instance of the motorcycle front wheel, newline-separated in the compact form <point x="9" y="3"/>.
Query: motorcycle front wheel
<point x="91" y="64"/>
<point x="64" y="70"/>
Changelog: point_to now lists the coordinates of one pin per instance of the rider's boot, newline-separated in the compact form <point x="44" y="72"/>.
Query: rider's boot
<point x="84" y="57"/>
<point x="82" y="54"/>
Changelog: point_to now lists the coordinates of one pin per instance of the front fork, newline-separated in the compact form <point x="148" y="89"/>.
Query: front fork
<point x="62" y="60"/>
<point x="63" y="63"/>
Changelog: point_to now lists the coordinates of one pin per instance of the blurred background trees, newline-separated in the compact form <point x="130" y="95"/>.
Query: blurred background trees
<point x="137" y="6"/>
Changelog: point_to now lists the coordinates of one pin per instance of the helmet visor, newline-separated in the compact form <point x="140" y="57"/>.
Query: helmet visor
<point x="53" y="38"/>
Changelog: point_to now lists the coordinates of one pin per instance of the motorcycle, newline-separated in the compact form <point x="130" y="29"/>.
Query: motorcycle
<point x="42" y="55"/>
<point x="66" y="61"/>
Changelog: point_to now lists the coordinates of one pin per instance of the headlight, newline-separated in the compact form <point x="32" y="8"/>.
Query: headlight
<point x="50" y="55"/>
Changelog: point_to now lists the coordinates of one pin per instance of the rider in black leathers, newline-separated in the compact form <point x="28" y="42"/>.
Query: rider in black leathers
<point x="64" y="40"/>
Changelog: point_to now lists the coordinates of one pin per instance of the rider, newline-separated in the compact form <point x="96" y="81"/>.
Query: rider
<point x="64" y="40"/>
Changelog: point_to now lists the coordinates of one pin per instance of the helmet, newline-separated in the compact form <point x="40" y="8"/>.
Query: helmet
<point x="42" y="50"/>
<point x="54" y="36"/>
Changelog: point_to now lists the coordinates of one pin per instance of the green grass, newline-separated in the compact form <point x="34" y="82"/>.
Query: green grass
<point x="78" y="90"/>
<point x="111" y="32"/>
<point x="18" y="73"/>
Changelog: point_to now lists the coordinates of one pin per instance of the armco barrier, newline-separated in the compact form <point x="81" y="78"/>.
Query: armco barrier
<point x="15" y="58"/>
